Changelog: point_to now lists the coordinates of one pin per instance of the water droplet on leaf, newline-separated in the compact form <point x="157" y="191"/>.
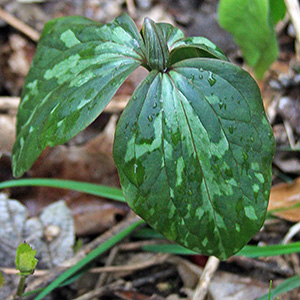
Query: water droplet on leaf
<point x="211" y="80"/>
<point x="221" y="104"/>
<point x="245" y="155"/>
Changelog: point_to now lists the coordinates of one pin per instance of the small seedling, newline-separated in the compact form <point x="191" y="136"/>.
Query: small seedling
<point x="25" y="263"/>
<point x="2" y="280"/>
<point x="193" y="147"/>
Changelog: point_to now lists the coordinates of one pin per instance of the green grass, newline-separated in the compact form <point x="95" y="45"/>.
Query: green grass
<point x="116" y="194"/>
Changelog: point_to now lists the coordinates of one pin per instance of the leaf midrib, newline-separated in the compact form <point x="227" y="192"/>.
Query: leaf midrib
<point x="200" y="166"/>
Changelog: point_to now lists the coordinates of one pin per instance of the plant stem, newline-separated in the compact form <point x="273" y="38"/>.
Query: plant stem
<point x="21" y="288"/>
<point x="293" y="9"/>
<point x="206" y="277"/>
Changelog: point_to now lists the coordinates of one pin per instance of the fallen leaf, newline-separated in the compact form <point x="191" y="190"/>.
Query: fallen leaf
<point x="13" y="216"/>
<point x="51" y="234"/>
<point x="93" y="215"/>
<point x="227" y="286"/>
<point x="286" y="195"/>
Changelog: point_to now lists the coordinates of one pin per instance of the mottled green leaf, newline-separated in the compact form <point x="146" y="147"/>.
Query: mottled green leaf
<point x="193" y="149"/>
<point x="171" y="34"/>
<point x="78" y="66"/>
<point x="277" y="10"/>
<point x="195" y="47"/>
<point x="157" y="52"/>
<point x="250" y="23"/>
<point x="183" y="48"/>
<point x="25" y="259"/>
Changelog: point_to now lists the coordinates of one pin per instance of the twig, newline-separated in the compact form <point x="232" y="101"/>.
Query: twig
<point x="159" y="258"/>
<point x="131" y="8"/>
<point x="294" y="12"/>
<point x="116" y="105"/>
<point x="104" y="276"/>
<point x="205" y="279"/>
<point x="291" y="233"/>
<point x="19" y="25"/>
<point x="102" y="290"/>
<point x="293" y="257"/>
<point x="289" y="133"/>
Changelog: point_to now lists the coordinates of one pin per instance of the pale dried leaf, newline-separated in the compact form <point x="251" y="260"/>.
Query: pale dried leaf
<point x="227" y="286"/>
<point x="286" y="195"/>
<point x="52" y="234"/>
<point x="12" y="219"/>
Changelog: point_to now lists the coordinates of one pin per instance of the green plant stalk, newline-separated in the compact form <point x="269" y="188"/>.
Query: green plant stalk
<point x="21" y="287"/>
<point x="84" y="187"/>
<point x="249" y="251"/>
<point x="285" y="286"/>
<point x="270" y="290"/>
<point x="91" y="256"/>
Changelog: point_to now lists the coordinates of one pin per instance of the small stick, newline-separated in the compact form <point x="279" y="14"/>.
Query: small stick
<point x="206" y="277"/>
<point x="102" y="290"/>
<point x="116" y="105"/>
<point x="19" y="25"/>
<point x="293" y="10"/>
<point x="104" y="276"/>
<point x="291" y="233"/>
<point x="159" y="258"/>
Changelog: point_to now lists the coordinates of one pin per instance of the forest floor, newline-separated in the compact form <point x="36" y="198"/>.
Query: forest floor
<point x="72" y="220"/>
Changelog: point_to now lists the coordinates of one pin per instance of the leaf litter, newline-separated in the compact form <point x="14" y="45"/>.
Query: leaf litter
<point x="52" y="234"/>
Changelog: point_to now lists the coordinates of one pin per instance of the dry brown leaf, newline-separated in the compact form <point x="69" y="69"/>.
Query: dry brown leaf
<point x="286" y="195"/>
<point x="92" y="216"/>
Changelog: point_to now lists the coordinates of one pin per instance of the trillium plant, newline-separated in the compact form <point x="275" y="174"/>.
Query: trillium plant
<point x="193" y="146"/>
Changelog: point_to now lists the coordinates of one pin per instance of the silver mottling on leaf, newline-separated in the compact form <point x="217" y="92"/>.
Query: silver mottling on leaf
<point x="61" y="70"/>
<point x="69" y="38"/>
